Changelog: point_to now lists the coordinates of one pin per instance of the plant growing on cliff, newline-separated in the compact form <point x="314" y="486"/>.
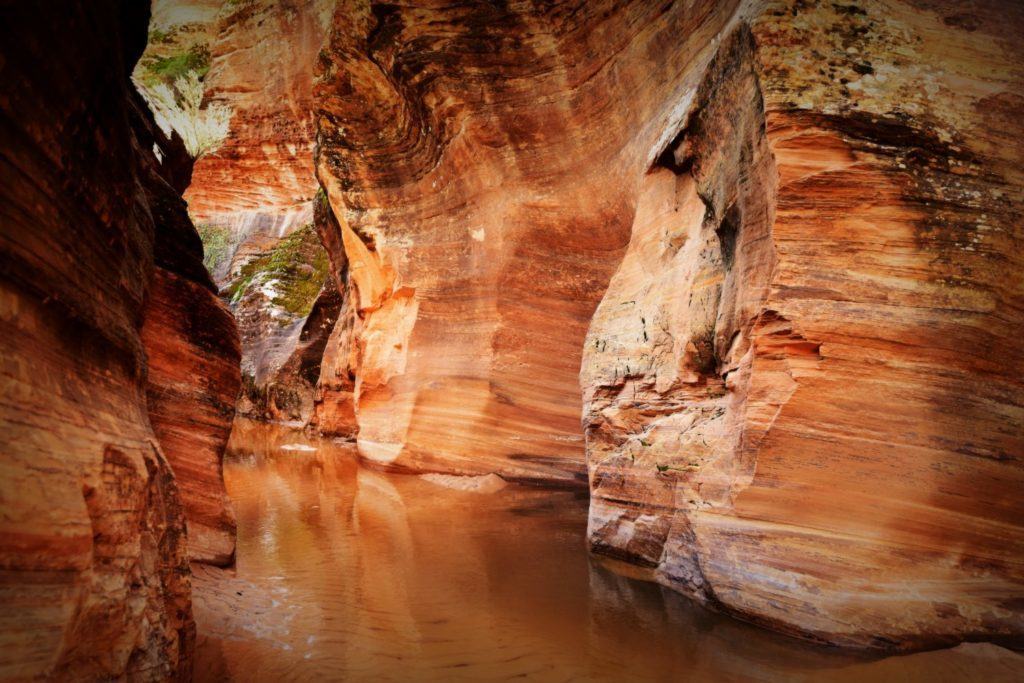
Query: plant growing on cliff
<point x="168" y="69"/>
<point x="216" y="245"/>
<point x="180" y="108"/>
<point x="296" y="269"/>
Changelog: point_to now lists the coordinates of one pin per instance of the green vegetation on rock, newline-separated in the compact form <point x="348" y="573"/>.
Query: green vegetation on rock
<point x="297" y="268"/>
<point x="168" y="69"/>
<point x="216" y="245"/>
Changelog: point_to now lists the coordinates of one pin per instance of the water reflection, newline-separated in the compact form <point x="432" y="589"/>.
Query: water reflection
<point x="348" y="573"/>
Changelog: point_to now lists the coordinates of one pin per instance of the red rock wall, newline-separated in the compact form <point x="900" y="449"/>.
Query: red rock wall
<point x="334" y="401"/>
<point x="192" y="353"/>
<point x="263" y="54"/>
<point x="802" y="389"/>
<point x="484" y="182"/>
<point x="256" y="189"/>
<point x="192" y="347"/>
<point x="95" y="577"/>
<point x="93" y="545"/>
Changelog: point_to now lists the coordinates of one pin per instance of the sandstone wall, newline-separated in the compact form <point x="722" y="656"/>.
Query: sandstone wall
<point x="93" y="547"/>
<point x="193" y="379"/>
<point x="262" y="59"/>
<point x="484" y="182"/>
<point x="334" y="400"/>
<point x="802" y="388"/>
<point x="253" y="194"/>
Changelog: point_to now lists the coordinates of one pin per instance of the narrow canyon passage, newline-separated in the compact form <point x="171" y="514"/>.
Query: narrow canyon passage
<point x="554" y="340"/>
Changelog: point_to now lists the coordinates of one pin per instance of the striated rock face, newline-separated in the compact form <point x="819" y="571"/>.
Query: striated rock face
<point x="802" y="396"/>
<point x="262" y="58"/>
<point x="334" y="401"/>
<point x="192" y="350"/>
<point x="193" y="355"/>
<point x="484" y="177"/>
<point x="252" y="195"/>
<point x="95" y="578"/>
<point x="120" y="366"/>
<point x="192" y="345"/>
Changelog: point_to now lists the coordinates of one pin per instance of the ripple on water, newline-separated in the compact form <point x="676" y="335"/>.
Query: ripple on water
<point x="346" y="573"/>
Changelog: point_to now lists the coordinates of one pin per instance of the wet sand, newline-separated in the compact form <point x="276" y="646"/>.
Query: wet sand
<point x="346" y="573"/>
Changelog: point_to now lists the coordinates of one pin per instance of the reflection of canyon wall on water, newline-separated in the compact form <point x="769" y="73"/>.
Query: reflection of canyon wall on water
<point x="802" y="389"/>
<point x="110" y="442"/>
<point x="349" y="573"/>
<point x="371" y="574"/>
<point x="769" y="250"/>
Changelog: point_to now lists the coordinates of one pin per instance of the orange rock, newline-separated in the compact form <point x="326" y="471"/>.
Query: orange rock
<point x="483" y="206"/>
<point x="801" y="389"/>
<point x="192" y="347"/>
<point x="95" y="580"/>
<point x="255" y="190"/>
<point x="797" y="408"/>
<point x="262" y="59"/>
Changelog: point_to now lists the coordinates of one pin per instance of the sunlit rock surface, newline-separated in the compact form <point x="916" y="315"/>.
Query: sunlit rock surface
<point x="262" y="58"/>
<point x="484" y="163"/>
<point x="803" y="390"/>
<point x="334" y="400"/>
<point x="252" y="195"/>
<point x="95" y="577"/>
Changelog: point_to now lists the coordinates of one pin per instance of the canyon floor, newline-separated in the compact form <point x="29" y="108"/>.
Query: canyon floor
<point x="347" y="573"/>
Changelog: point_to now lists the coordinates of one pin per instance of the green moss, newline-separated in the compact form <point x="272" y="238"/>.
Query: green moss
<point x="216" y="245"/>
<point x="168" y="69"/>
<point x="298" y="264"/>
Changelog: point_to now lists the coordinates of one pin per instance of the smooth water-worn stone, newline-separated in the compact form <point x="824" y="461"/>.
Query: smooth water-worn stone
<point x="483" y="163"/>
<point x="801" y="386"/>
<point x="95" y="580"/>
<point x="802" y="389"/>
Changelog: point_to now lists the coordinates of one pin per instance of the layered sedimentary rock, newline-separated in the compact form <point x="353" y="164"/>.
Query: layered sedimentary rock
<point x="193" y="353"/>
<point x="192" y="345"/>
<point x="252" y="195"/>
<point x="103" y="295"/>
<point x="95" y="580"/>
<point x="334" y="400"/>
<point x="801" y="391"/>
<point x="483" y="205"/>
<point x="262" y="58"/>
<point x="802" y="388"/>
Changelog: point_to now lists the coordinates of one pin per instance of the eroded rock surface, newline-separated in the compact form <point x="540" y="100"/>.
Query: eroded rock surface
<point x="251" y="197"/>
<point x="120" y="365"/>
<point x="192" y="353"/>
<point x="483" y="163"/>
<point x="803" y="397"/>
<point x="262" y="57"/>
<point x="95" y="580"/>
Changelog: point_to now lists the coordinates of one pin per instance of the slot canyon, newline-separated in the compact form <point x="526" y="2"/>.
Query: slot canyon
<point x="600" y="340"/>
